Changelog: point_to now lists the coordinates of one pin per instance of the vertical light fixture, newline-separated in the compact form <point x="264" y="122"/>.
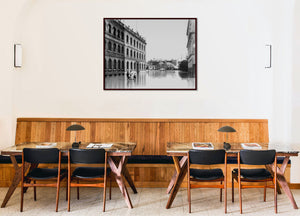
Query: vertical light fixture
<point x="18" y="55"/>
<point x="269" y="54"/>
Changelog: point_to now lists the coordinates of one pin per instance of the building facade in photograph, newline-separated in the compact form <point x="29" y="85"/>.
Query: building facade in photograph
<point x="191" y="35"/>
<point x="114" y="47"/>
<point x="125" y="49"/>
<point x="135" y="51"/>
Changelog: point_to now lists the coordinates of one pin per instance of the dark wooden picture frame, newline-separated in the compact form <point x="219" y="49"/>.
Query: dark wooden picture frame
<point x="125" y="62"/>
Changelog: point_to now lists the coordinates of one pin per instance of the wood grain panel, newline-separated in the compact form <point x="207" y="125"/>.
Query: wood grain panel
<point x="151" y="135"/>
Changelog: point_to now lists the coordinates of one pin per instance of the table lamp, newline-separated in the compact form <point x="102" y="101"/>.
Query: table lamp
<point x="75" y="128"/>
<point x="227" y="129"/>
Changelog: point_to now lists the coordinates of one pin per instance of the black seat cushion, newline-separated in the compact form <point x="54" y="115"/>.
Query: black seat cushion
<point x="145" y="159"/>
<point x="206" y="174"/>
<point x="44" y="173"/>
<point x="150" y="159"/>
<point x="254" y="174"/>
<point x="89" y="172"/>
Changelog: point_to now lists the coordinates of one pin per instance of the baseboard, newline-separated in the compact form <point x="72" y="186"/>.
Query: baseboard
<point x="294" y="185"/>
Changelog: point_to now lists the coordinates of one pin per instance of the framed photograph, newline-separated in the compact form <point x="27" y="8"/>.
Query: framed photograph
<point x="150" y="54"/>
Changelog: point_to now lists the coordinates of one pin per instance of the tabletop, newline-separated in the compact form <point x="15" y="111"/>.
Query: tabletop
<point x="179" y="149"/>
<point x="117" y="148"/>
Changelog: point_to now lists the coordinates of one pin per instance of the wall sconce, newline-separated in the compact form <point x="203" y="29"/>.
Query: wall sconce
<point x="269" y="47"/>
<point x="18" y="55"/>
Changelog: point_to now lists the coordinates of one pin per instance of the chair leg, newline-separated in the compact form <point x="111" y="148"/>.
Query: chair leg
<point x="232" y="188"/>
<point x="275" y="196"/>
<point x="221" y="193"/>
<point x="69" y="193"/>
<point x="104" y="196"/>
<point x="34" y="191"/>
<point x="57" y="195"/>
<point x="240" y="197"/>
<point x="22" y="197"/>
<point x="78" y="190"/>
<point x="67" y="190"/>
<point x="225" y="196"/>
<point x="189" y="198"/>
<point x="265" y="192"/>
<point x="110" y="187"/>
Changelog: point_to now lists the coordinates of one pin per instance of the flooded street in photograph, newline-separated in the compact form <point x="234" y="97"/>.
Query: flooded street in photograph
<point x="153" y="79"/>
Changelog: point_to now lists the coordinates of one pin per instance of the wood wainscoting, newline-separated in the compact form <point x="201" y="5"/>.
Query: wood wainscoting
<point x="151" y="136"/>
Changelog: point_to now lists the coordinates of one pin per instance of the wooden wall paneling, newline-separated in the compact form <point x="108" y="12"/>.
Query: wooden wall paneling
<point x="92" y="133"/>
<point x="28" y="132"/>
<point x="97" y="130"/>
<point x="126" y="126"/>
<point x="198" y="132"/>
<point x="158" y="146"/>
<point x="176" y="131"/>
<point x="154" y="138"/>
<point x="143" y="138"/>
<point x="264" y="132"/>
<point x="47" y="137"/>
<point x="35" y="131"/>
<point x="163" y="137"/>
<point x="65" y="134"/>
<point x="254" y="132"/>
<point x="242" y="133"/>
<point x="58" y="132"/>
<point x="211" y="133"/>
<point x="151" y="136"/>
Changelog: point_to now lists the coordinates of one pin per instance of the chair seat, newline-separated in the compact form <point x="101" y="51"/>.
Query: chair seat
<point x="89" y="172"/>
<point x="254" y="174"/>
<point x="44" y="173"/>
<point x="206" y="174"/>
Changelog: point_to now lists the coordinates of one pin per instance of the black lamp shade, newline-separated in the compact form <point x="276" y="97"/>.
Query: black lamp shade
<point x="227" y="129"/>
<point x="75" y="128"/>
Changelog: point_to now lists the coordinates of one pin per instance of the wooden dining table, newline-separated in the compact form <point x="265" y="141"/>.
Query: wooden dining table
<point x="118" y="154"/>
<point x="179" y="152"/>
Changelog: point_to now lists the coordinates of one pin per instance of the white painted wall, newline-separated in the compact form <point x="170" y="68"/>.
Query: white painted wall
<point x="295" y="90"/>
<point x="62" y="65"/>
<point x="8" y="17"/>
<point x="62" y="73"/>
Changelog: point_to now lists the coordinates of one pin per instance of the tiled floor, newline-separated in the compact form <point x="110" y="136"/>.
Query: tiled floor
<point x="148" y="201"/>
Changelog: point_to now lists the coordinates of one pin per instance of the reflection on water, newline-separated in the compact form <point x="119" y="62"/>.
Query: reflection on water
<point x="154" y="79"/>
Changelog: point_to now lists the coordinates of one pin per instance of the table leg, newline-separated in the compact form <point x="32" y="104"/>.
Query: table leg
<point x="16" y="180"/>
<point x="181" y="169"/>
<point x="32" y="166"/>
<point x="271" y="170"/>
<point x="283" y="183"/>
<point x="117" y="165"/>
<point x="172" y="182"/>
<point x="129" y="179"/>
<point x="282" y="180"/>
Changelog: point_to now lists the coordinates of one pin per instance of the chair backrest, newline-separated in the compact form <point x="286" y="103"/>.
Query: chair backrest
<point x="37" y="155"/>
<point x="87" y="156"/>
<point x="207" y="157"/>
<point x="257" y="157"/>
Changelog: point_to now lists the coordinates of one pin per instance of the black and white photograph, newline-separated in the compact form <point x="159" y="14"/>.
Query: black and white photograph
<point x="150" y="53"/>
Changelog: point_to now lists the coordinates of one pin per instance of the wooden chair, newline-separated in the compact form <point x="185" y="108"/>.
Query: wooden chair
<point x="88" y="174"/>
<point x="36" y="156"/>
<point x="207" y="157"/>
<point x="255" y="157"/>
